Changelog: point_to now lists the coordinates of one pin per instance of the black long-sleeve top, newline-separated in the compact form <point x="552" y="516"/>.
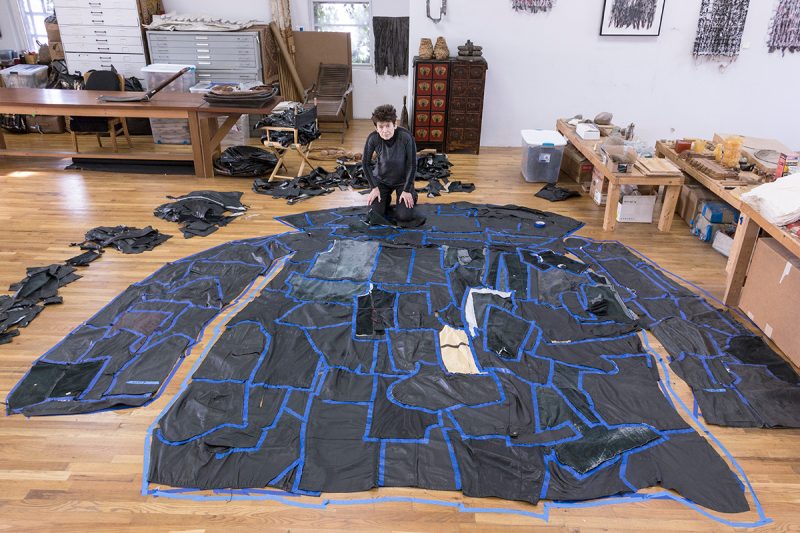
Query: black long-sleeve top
<point x="397" y="160"/>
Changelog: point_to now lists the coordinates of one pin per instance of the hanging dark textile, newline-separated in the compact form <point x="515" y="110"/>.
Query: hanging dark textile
<point x="784" y="28"/>
<point x="532" y="6"/>
<point x="391" y="45"/>
<point x="720" y="28"/>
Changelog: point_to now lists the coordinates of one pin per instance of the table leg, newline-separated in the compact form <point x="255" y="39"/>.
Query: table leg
<point x="744" y="243"/>
<point x="198" y="148"/>
<point x="208" y="129"/>
<point x="612" y="201"/>
<point x="2" y="140"/>
<point x="668" y="207"/>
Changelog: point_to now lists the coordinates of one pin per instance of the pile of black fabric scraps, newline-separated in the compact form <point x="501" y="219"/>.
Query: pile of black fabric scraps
<point x="39" y="286"/>
<point x="435" y="169"/>
<point x="125" y="239"/>
<point x="316" y="183"/>
<point x="554" y="193"/>
<point x="305" y="134"/>
<point x="245" y="161"/>
<point x="201" y="213"/>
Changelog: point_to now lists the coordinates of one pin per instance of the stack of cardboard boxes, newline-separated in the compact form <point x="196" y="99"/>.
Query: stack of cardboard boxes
<point x="711" y="219"/>
<point x="576" y="167"/>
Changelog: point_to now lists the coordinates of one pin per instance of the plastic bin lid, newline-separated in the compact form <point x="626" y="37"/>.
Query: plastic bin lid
<point x="543" y="138"/>
<point x="165" y="67"/>
<point x="24" y="70"/>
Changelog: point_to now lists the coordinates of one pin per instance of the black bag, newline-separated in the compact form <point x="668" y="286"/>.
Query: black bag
<point x="13" y="123"/>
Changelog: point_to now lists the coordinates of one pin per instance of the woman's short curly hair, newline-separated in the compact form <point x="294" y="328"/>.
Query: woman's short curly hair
<point x="384" y="113"/>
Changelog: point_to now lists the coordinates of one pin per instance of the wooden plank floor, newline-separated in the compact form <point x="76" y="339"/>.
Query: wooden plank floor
<point x="78" y="473"/>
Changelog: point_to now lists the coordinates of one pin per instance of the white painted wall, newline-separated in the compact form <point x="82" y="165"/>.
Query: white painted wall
<point x="369" y="90"/>
<point x="13" y="37"/>
<point x="546" y="66"/>
<point x="259" y="10"/>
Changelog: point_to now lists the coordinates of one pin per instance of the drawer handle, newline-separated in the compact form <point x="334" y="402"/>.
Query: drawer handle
<point x="98" y="21"/>
<point x="105" y="57"/>
<point x="203" y="57"/>
<point x="101" y="31"/>
<point x="200" y="38"/>
<point x="204" y="62"/>
<point x="101" y="40"/>
<point x="96" y="12"/>
<point x="103" y="48"/>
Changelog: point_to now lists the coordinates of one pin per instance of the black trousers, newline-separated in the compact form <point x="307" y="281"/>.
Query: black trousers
<point x="397" y="212"/>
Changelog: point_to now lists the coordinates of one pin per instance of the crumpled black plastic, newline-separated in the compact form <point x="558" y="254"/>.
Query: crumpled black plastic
<point x="127" y="240"/>
<point x="201" y="213"/>
<point x="39" y="286"/>
<point x="554" y="193"/>
<point x="245" y="161"/>
<point x="306" y="133"/>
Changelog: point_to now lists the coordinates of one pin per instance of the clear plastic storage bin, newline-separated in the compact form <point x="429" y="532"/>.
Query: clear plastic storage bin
<point x="19" y="76"/>
<point x="240" y="132"/>
<point x="169" y="130"/>
<point x="542" y="151"/>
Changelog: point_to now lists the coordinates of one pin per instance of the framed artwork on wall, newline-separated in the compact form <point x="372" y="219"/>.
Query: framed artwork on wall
<point x="632" y="17"/>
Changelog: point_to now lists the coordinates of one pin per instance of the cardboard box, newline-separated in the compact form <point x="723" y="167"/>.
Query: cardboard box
<point x="704" y="229"/>
<point x="56" y="50"/>
<point x="53" y="33"/>
<point x="690" y="199"/>
<point x="45" y="124"/>
<point x="718" y="212"/>
<point x="723" y="240"/>
<point x="771" y="294"/>
<point x="599" y="189"/>
<point x="636" y="208"/>
<point x="575" y="166"/>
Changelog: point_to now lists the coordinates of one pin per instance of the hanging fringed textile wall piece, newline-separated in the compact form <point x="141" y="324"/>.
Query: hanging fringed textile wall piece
<point x="784" y="30"/>
<point x="533" y="6"/>
<point x="720" y="28"/>
<point x="391" y="45"/>
<point x="637" y="14"/>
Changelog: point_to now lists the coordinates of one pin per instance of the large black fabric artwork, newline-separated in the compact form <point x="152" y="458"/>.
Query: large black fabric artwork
<point x="391" y="45"/>
<point x="485" y="351"/>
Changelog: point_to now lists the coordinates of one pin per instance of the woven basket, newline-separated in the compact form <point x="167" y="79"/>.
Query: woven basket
<point x="440" y="51"/>
<point x="425" y="48"/>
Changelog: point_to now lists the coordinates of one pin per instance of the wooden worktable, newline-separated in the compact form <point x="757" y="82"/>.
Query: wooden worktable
<point x="615" y="180"/>
<point x="751" y="223"/>
<point x="204" y="132"/>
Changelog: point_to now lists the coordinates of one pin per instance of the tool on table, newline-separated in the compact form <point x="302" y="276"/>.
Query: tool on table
<point x="146" y="96"/>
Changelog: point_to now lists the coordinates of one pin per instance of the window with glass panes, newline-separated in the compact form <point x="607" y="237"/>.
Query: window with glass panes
<point x="33" y="13"/>
<point x="352" y="17"/>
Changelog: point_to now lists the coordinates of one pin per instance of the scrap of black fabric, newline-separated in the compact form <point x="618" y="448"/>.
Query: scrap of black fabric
<point x="127" y="240"/>
<point x="245" y="161"/>
<point x="201" y="213"/>
<point x="554" y="193"/>
<point x="38" y="289"/>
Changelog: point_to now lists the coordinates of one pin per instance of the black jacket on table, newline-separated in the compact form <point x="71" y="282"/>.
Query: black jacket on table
<point x="397" y="160"/>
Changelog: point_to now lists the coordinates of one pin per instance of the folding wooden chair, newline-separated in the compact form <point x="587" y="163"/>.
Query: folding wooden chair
<point x="330" y="93"/>
<point x="302" y="118"/>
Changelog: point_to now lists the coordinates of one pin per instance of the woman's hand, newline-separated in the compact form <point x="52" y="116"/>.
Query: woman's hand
<point x="407" y="199"/>
<point x="374" y="196"/>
